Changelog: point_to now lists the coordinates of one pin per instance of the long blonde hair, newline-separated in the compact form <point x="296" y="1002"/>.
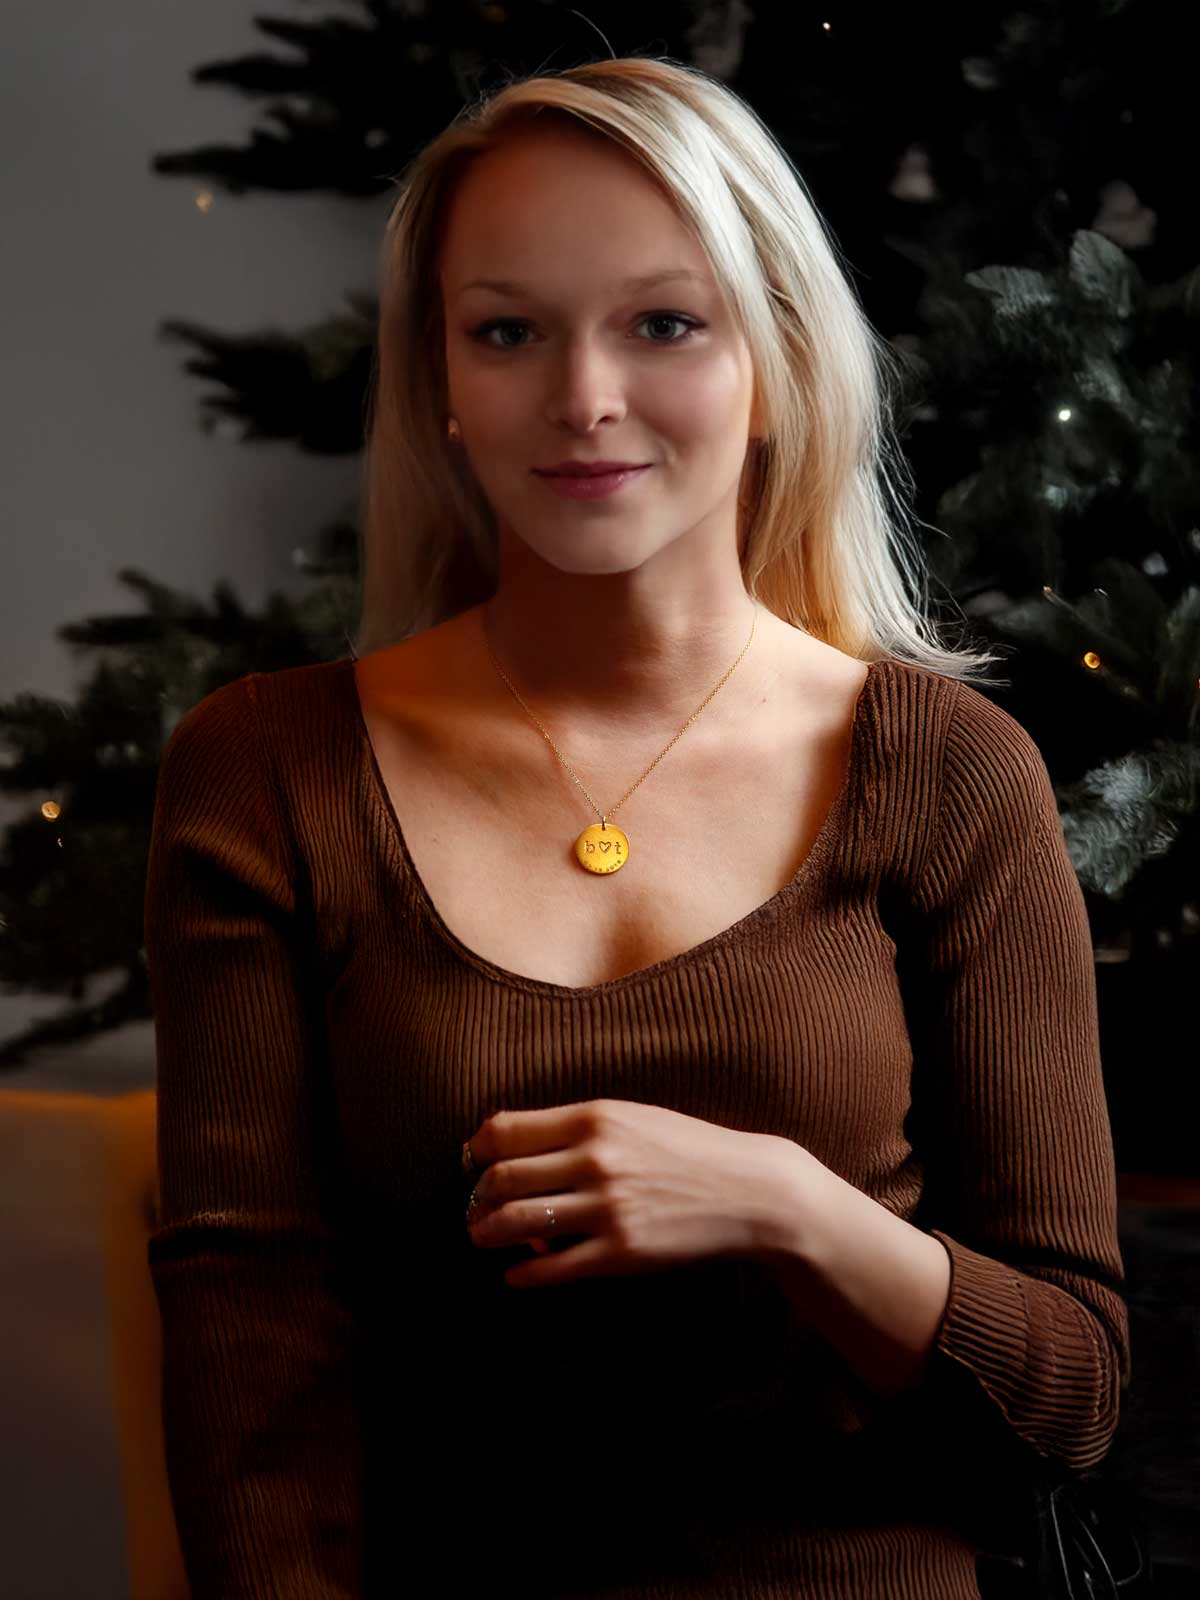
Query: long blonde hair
<point x="825" y="534"/>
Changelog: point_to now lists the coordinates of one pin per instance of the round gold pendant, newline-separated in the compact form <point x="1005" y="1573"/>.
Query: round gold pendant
<point x="601" y="848"/>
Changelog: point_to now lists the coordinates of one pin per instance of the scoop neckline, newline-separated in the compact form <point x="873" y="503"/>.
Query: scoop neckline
<point x="819" y="853"/>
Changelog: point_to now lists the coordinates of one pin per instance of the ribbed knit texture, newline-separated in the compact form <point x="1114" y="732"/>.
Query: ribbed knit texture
<point x="355" y="1404"/>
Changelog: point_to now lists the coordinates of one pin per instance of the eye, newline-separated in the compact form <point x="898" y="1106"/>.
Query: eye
<point x="690" y="326"/>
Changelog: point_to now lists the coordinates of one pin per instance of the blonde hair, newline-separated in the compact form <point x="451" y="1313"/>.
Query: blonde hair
<point x="825" y="536"/>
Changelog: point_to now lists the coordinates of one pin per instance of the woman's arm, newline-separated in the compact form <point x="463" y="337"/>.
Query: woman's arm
<point x="261" y="1431"/>
<point x="1011" y="1268"/>
<point x="873" y="1286"/>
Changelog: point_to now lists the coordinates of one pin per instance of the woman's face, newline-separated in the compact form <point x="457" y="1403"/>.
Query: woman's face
<point x="577" y="365"/>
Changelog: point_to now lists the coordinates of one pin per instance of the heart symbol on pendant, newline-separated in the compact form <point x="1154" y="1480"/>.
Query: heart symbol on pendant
<point x="605" y="844"/>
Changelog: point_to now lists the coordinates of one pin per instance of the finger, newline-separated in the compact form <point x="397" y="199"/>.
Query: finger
<point x="528" y="1177"/>
<point x="592" y="1258"/>
<point x="523" y="1221"/>
<point x="525" y="1133"/>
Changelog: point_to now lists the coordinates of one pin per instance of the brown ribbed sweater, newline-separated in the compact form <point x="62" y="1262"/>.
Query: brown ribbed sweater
<point x="355" y="1403"/>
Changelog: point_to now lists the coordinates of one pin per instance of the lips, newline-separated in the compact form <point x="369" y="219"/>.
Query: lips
<point x="594" y="469"/>
<point x="591" y="485"/>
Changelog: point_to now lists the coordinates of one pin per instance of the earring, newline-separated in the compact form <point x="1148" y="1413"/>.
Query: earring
<point x="453" y="429"/>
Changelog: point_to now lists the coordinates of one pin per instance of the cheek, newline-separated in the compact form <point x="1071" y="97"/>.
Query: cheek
<point x="703" y="402"/>
<point x="493" y="402"/>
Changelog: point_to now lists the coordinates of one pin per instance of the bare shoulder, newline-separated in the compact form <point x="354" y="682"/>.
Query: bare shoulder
<point x="820" y="681"/>
<point x="420" y="670"/>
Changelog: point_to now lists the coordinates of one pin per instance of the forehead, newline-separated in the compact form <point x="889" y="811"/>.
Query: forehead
<point x="561" y="205"/>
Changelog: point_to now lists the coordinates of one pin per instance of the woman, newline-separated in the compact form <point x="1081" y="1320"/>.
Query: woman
<point x="770" y="1074"/>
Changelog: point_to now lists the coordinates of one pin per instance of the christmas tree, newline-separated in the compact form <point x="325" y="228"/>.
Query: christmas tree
<point x="1005" y="196"/>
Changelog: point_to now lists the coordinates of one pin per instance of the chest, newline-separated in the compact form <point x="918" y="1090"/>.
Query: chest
<point x="490" y="817"/>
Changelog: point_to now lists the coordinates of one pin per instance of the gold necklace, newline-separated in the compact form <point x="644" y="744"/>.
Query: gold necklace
<point x="602" y="847"/>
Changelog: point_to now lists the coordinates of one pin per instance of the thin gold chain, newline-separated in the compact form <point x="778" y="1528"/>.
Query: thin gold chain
<point x="604" y="816"/>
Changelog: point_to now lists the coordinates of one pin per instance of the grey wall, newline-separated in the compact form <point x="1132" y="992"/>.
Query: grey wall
<point x="103" y="462"/>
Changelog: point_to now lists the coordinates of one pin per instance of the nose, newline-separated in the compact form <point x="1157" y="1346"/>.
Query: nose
<point x="588" y="390"/>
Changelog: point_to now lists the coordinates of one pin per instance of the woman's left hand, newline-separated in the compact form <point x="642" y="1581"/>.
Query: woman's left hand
<point x="642" y="1186"/>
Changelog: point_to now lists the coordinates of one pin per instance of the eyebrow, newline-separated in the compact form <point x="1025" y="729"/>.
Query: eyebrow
<point x="647" y="280"/>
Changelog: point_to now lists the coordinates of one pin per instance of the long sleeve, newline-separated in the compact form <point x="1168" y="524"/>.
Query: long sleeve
<point x="1008" y="1105"/>
<point x="261" y="1430"/>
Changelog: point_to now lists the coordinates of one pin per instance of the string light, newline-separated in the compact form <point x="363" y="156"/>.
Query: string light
<point x="50" y="809"/>
<point x="1090" y="658"/>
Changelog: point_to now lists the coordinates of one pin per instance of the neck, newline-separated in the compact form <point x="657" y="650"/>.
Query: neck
<point x="624" y="670"/>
